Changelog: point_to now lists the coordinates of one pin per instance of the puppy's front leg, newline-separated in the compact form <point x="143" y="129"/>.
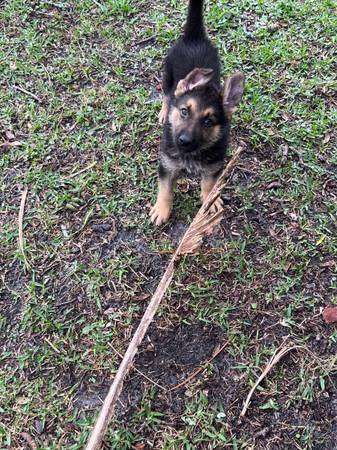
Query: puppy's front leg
<point x="161" y="211"/>
<point x="164" y="110"/>
<point x="207" y="184"/>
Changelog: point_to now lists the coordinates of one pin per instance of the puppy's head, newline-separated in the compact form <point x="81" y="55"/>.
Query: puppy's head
<point x="200" y="113"/>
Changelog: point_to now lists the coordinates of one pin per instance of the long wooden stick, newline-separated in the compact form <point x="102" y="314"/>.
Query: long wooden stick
<point x="203" y="223"/>
<point x="116" y="387"/>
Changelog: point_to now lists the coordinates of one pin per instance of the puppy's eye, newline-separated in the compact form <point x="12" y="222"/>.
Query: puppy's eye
<point x="208" y="123"/>
<point x="184" y="113"/>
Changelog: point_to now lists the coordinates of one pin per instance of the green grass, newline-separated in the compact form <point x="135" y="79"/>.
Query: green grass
<point x="87" y="153"/>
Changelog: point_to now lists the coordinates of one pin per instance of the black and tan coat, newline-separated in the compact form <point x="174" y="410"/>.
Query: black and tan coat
<point x="196" y="113"/>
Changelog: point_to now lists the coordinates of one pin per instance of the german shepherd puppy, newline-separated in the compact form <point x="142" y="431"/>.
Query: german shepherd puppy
<point x="196" y="113"/>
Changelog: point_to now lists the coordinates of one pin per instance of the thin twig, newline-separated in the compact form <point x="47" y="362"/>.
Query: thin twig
<point x="20" y="222"/>
<point x="52" y="345"/>
<point x="138" y="371"/>
<point x="145" y="41"/>
<point x="200" y="369"/>
<point x="90" y="166"/>
<point x="278" y="354"/>
<point x="189" y="243"/>
<point x="21" y="89"/>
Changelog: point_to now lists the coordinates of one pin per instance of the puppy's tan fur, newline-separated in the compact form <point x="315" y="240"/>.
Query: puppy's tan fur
<point x="164" y="110"/>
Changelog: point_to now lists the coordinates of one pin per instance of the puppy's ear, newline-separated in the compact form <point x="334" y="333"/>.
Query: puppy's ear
<point x="196" y="78"/>
<point x="233" y="92"/>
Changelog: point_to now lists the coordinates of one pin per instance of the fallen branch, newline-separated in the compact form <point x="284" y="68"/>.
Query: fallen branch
<point x="200" y="369"/>
<point x="278" y="354"/>
<point x="20" y="223"/>
<point x="203" y="223"/>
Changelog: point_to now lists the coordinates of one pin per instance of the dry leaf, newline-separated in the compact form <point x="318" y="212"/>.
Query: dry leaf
<point x="330" y="314"/>
<point x="330" y="263"/>
<point x="8" y="144"/>
<point x="273" y="185"/>
<point x="9" y="135"/>
<point x="327" y="138"/>
<point x="139" y="446"/>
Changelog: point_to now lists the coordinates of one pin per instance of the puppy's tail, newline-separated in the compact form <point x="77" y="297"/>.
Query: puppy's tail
<point x="194" y="27"/>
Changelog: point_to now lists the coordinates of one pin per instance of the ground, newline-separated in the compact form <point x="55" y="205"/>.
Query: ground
<point x="86" y="149"/>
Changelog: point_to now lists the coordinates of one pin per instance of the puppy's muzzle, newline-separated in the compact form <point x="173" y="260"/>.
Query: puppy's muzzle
<point x="186" y="142"/>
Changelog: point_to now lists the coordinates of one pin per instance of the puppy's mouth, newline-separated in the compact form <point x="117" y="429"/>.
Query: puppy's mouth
<point x="189" y="150"/>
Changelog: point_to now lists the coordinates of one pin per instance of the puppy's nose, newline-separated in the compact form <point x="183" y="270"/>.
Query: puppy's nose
<point x="185" y="140"/>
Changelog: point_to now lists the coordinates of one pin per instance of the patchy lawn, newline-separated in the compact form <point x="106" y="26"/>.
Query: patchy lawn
<point x="86" y="148"/>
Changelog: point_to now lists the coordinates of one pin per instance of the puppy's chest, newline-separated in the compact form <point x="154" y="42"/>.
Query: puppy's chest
<point x="191" y="166"/>
<point x="180" y="164"/>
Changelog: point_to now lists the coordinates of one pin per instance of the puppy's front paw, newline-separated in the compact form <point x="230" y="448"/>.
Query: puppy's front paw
<point x="162" y="117"/>
<point x="160" y="213"/>
<point x="164" y="111"/>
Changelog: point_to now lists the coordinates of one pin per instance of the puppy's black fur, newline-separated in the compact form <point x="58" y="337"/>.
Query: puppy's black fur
<point x="196" y="112"/>
<point x="192" y="50"/>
